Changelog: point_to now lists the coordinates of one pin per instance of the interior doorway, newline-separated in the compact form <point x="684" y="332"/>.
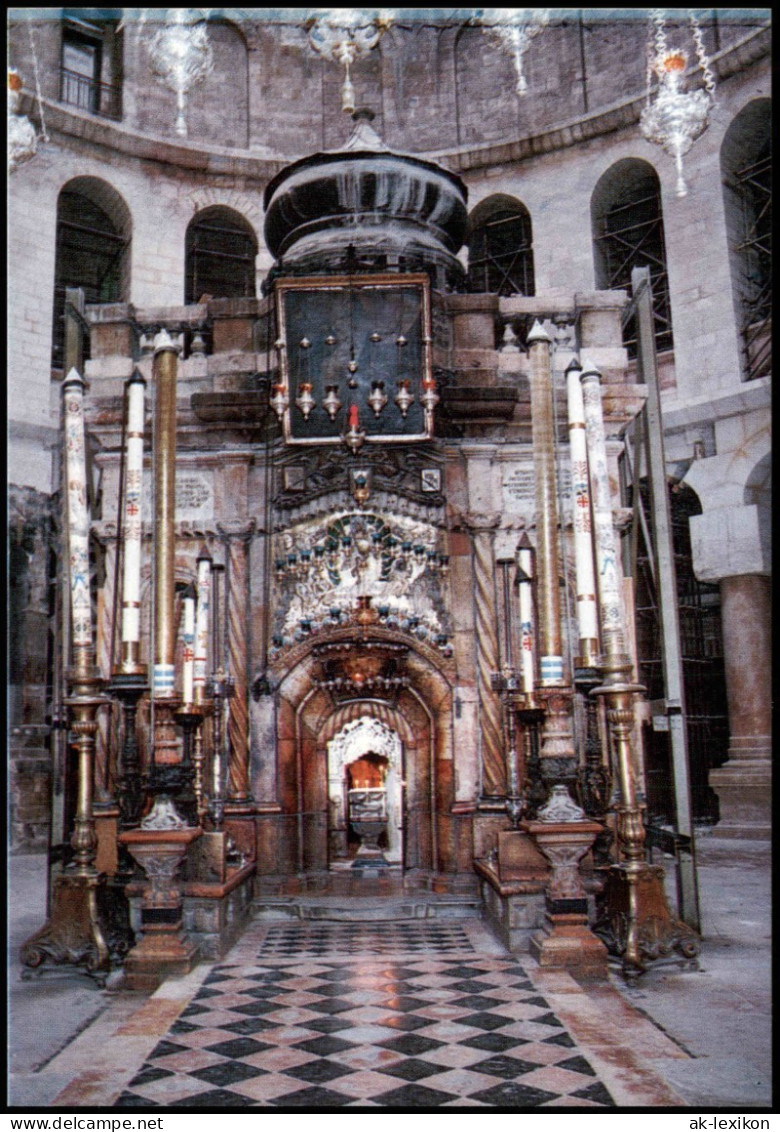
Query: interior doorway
<point x="365" y="775"/>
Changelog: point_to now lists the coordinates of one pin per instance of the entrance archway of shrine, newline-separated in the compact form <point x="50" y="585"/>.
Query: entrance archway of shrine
<point x="436" y="829"/>
<point x="365" y="736"/>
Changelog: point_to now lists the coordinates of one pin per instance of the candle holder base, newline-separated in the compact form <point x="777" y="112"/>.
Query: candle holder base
<point x="652" y="932"/>
<point x="75" y="934"/>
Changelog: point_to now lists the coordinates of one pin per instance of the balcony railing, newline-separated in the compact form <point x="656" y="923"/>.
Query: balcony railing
<point x="85" y="93"/>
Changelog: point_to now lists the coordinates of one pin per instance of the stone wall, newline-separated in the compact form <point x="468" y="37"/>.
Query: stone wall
<point x="29" y="662"/>
<point x="431" y="85"/>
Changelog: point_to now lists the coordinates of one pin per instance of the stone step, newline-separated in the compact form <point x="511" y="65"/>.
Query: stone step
<point x="358" y="909"/>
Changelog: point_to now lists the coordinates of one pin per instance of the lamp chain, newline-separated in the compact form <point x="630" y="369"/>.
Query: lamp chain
<point x="44" y="134"/>
<point x="701" y="55"/>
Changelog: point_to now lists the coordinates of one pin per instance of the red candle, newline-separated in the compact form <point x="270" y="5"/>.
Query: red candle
<point x="352" y="418"/>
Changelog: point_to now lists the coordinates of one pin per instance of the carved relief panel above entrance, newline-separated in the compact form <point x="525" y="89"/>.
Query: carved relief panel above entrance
<point x="363" y="568"/>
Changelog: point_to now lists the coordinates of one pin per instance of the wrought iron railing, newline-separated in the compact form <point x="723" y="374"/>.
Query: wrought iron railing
<point x="104" y="99"/>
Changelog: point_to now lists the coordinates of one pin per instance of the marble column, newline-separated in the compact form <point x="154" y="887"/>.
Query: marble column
<point x="237" y="536"/>
<point x="743" y="784"/>
<point x="482" y="528"/>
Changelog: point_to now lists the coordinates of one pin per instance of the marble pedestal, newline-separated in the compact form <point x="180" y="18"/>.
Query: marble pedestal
<point x="566" y="941"/>
<point x="163" y="949"/>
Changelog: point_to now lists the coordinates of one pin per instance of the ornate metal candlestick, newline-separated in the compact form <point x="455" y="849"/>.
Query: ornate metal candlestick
<point x="594" y="782"/>
<point x="506" y="683"/>
<point x="189" y="719"/>
<point x="74" y="934"/>
<point x="202" y="711"/>
<point x="220" y="688"/>
<point x="128" y="688"/>
<point x="638" y="924"/>
<point x="531" y="716"/>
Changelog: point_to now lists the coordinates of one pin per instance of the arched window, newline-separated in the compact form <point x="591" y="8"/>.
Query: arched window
<point x="93" y="250"/>
<point x="220" y="256"/>
<point x="91" y="61"/>
<point x="628" y="232"/>
<point x="501" y="258"/>
<point x="746" y="165"/>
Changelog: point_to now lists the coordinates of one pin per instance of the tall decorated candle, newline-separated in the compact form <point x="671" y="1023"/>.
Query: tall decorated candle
<point x="202" y="611"/>
<point x="610" y="597"/>
<point x="131" y="525"/>
<point x="188" y="652"/>
<point x="78" y="512"/>
<point x="525" y="574"/>
<point x="587" y="608"/>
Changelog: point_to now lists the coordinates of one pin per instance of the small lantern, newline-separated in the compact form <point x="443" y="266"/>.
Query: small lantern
<point x="330" y="402"/>
<point x="304" y="400"/>
<point x="377" y="398"/>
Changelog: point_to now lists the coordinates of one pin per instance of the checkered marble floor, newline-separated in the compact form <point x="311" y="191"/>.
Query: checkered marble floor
<point x="361" y="1015"/>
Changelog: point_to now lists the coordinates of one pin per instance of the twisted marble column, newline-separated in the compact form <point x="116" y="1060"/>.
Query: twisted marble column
<point x="236" y="536"/>
<point x="482" y="528"/>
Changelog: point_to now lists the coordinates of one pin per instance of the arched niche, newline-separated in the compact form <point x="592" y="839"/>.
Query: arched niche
<point x="220" y="248"/>
<point x="368" y="735"/>
<point x="746" y="168"/>
<point x="94" y="230"/>
<point x="628" y="231"/>
<point x="500" y="243"/>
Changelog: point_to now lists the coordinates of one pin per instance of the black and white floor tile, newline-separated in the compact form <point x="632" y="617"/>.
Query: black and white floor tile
<point x="387" y="1015"/>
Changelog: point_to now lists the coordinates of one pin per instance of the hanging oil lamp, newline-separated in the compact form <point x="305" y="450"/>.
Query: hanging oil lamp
<point x="514" y="28"/>
<point x="377" y="398"/>
<point x="305" y="400"/>
<point x="404" y="396"/>
<point x="279" y="400"/>
<point x="331" y="402"/>
<point x="677" y="117"/>
<point x="429" y="396"/>
<point x="344" y="35"/>
<point x="181" y="56"/>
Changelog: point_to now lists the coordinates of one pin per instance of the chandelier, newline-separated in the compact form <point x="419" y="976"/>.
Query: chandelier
<point x="344" y="35"/>
<point x="22" y="136"/>
<point x="514" y="28"/>
<point x="676" y="118"/>
<point x="181" y="55"/>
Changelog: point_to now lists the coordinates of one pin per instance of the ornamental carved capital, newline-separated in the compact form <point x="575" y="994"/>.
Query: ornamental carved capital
<point x="237" y="530"/>
<point x="480" y="522"/>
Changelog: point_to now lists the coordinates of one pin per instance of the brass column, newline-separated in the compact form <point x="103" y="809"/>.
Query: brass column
<point x="558" y="756"/>
<point x="167" y="755"/>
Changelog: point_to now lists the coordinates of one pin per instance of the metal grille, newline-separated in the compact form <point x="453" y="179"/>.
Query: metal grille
<point x="220" y="258"/>
<point x="501" y="255"/>
<point x="703" y="670"/>
<point x="632" y="235"/>
<point x="753" y="183"/>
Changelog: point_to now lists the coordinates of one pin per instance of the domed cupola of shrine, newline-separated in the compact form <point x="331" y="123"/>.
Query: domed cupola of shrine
<point x="366" y="207"/>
